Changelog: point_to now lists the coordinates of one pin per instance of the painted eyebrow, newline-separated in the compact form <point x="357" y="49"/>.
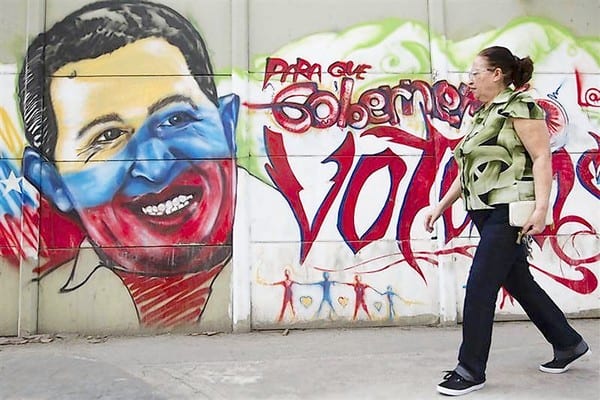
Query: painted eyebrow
<point x="113" y="117"/>
<point x="170" y="100"/>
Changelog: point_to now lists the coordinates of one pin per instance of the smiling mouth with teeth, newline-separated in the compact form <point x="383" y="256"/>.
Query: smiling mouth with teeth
<point x="168" y="207"/>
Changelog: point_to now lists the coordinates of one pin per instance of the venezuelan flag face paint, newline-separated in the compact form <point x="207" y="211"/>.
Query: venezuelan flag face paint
<point x="150" y="171"/>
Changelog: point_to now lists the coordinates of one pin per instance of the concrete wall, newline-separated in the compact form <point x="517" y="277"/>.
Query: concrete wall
<point x="296" y="199"/>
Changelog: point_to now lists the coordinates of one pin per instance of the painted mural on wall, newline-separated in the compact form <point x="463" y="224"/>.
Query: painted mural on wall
<point x="121" y="181"/>
<point x="132" y="152"/>
<point x="357" y="139"/>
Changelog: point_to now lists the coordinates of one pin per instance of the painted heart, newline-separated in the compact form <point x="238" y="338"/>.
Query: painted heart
<point x="343" y="301"/>
<point x="306" y="301"/>
<point x="377" y="305"/>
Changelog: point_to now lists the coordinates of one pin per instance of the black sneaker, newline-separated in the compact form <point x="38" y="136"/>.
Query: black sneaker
<point x="455" y="385"/>
<point x="558" y="366"/>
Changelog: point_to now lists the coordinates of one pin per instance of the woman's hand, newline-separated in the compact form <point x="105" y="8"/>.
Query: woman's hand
<point x="536" y="222"/>
<point x="433" y="213"/>
<point x="431" y="216"/>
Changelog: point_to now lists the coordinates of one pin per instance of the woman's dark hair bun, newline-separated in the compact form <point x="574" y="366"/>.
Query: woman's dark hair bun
<point x="522" y="72"/>
<point x="517" y="71"/>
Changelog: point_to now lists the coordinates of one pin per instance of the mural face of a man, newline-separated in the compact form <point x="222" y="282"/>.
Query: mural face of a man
<point x="169" y="177"/>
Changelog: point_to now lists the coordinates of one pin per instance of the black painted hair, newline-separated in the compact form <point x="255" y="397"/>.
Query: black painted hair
<point x="517" y="71"/>
<point x="97" y="29"/>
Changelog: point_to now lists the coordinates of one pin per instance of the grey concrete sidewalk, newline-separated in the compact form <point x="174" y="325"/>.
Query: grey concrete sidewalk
<point x="379" y="363"/>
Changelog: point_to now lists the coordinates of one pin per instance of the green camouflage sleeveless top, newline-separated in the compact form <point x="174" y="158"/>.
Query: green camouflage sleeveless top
<point x="493" y="164"/>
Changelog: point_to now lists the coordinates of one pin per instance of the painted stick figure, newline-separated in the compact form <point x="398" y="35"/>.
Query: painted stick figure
<point x="287" y="284"/>
<point x="326" y="286"/>
<point x="389" y="294"/>
<point x="359" y="292"/>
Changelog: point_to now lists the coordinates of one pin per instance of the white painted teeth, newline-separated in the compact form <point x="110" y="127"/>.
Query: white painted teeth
<point x="168" y="207"/>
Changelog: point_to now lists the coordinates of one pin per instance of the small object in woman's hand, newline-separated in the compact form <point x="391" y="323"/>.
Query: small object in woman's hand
<point x="519" y="237"/>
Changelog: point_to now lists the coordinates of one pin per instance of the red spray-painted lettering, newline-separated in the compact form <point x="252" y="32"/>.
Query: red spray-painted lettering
<point x="302" y="68"/>
<point x="302" y="106"/>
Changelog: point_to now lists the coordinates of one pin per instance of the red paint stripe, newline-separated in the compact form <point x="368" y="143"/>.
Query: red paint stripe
<point x="172" y="300"/>
<point x="179" y="309"/>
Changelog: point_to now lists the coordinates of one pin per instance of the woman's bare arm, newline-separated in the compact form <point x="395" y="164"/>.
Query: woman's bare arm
<point x="534" y="136"/>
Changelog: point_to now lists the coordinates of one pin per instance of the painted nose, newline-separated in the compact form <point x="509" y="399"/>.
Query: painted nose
<point x="154" y="161"/>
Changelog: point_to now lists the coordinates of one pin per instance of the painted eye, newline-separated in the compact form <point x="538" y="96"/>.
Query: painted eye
<point x="110" y="135"/>
<point x="178" y="119"/>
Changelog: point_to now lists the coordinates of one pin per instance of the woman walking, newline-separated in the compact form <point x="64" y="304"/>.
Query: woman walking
<point x="504" y="157"/>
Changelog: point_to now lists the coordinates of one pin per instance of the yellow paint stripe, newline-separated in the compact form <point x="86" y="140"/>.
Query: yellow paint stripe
<point x="12" y="140"/>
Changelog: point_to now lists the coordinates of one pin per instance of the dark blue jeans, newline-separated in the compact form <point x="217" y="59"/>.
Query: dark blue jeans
<point x="500" y="261"/>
